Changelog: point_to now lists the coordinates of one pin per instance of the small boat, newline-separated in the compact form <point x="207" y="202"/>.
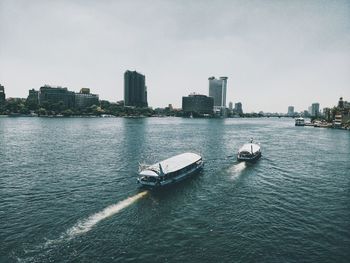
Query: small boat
<point x="299" y="122"/>
<point x="249" y="152"/>
<point x="170" y="171"/>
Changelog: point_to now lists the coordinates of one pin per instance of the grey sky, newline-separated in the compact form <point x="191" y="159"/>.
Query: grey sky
<point x="275" y="53"/>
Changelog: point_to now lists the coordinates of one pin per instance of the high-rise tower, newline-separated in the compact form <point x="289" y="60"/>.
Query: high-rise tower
<point x="2" y="95"/>
<point x="217" y="90"/>
<point x="135" y="91"/>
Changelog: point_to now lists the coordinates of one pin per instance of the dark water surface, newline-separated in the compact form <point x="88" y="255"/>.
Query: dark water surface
<point x="68" y="192"/>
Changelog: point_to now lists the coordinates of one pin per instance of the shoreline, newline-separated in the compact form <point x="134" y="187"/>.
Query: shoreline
<point x="161" y="116"/>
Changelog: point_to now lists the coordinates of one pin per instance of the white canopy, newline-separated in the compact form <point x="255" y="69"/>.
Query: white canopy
<point x="248" y="148"/>
<point x="172" y="164"/>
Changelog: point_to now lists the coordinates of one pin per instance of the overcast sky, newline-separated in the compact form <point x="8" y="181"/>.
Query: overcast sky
<point x="274" y="53"/>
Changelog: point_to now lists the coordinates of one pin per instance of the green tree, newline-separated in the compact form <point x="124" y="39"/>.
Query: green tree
<point x="42" y="112"/>
<point x="67" y="112"/>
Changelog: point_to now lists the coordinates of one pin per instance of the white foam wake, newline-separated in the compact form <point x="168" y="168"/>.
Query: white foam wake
<point x="87" y="224"/>
<point x="237" y="169"/>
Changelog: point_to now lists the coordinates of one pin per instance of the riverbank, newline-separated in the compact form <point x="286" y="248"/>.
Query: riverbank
<point x="316" y="124"/>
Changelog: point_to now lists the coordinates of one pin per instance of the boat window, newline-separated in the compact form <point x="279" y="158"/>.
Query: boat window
<point x="149" y="179"/>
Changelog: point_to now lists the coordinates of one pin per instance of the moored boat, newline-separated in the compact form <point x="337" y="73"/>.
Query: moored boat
<point x="299" y="121"/>
<point x="170" y="171"/>
<point x="249" y="152"/>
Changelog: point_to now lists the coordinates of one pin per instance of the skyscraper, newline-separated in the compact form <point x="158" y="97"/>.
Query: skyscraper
<point x="290" y="111"/>
<point x="230" y="105"/>
<point x="33" y="99"/>
<point x="2" y="95"/>
<point x="315" y="109"/>
<point x="135" y="90"/>
<point x="238" y="108"/>
<point x="217" y="90"/>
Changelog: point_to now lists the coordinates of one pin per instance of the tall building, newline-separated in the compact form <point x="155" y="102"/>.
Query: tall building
<point x="315" y="109"/>
<point x="2" y="95"/>
<point x="53" y="95"/>
<point x="238" y="108"/>
<point x="85" y="99"/>
<point x="33" y="99"/>
<point x="290" y="111"/>
<point x="230" y="105"/>
<point x="217" y="90"/>
<point x="327" y="113"/>
<point x="199" y="104"/>
<point x="341" y="103"/>
<point x="135" y="90"/>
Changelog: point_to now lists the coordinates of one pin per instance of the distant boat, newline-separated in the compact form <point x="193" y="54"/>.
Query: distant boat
<point x="249" y="152"/>
<point x="170" y="171"/>
<point x="299" y="122"/>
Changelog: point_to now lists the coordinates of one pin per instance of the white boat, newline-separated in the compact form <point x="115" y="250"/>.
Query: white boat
<point x="249" y="152"/>
<point x="170" y="171"/>
<point x="299" y="121"/>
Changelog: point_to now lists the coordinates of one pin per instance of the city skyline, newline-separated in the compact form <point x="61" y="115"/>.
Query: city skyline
<point x="274" y="54"/>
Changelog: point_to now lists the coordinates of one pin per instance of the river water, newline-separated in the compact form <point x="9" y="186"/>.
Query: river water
<point x="68" y="192"/>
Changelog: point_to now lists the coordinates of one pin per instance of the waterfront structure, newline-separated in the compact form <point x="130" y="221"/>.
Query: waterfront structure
<point x="49" y="95"/>
<point x="238" y="108"/>
<point x="315" y="109"/>
<point x="342" y="114"/>
<point x="197" y="104"/>
<point x="33" y="99"/>
<point x="230" y="106"/>
<point x="327" y="113"/>
<point x="343" y="104"/>
<point x="290" y="111"/>
<point x="338" y="119"/>
<point x="217" y="90"/>
<point x="135" y="90"/>
<point x="306" y="113"/>
<point x="2" y="95"/>
<point x="346" y="105"/>
<point x="85" y="99"/>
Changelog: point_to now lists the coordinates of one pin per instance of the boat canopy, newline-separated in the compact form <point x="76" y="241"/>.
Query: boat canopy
<point x="248" y="148"/>
<point x="172" y="164"/>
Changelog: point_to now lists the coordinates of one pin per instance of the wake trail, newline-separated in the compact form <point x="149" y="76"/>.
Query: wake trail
<point x="237" y="169"/>
<point x="87" y="224"/>
<point x="84" y="226"/>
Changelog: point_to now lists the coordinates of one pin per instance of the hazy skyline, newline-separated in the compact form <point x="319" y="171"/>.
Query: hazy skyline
<point x="274" y="53"/>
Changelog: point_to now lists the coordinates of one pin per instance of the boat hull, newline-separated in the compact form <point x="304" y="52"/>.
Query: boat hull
<point x="170" y="181"/>
<point x="253" y="158"/>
